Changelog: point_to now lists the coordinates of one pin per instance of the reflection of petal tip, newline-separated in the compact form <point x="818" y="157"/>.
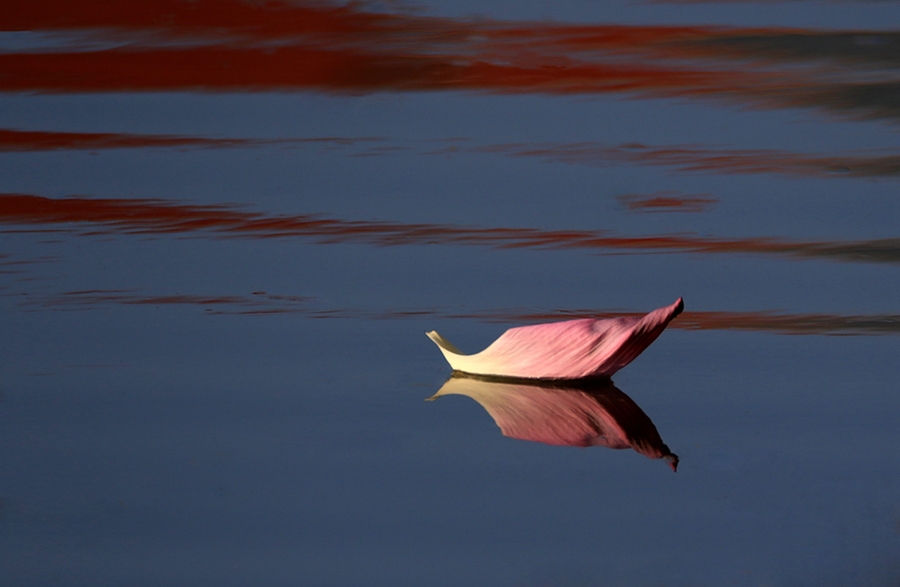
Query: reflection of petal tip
<point x="573" y="349"/>
<point x="672" y="459"/>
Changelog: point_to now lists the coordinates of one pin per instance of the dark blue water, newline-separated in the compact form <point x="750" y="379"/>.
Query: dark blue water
<point x="201" y="385"/>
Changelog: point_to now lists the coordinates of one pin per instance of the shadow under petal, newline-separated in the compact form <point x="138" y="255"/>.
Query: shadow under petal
<point x="575" y="413"/>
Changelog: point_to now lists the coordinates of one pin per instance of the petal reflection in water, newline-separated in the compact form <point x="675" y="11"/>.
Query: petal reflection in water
<point x="577" y="413"/>
<point x="573" y="349"/>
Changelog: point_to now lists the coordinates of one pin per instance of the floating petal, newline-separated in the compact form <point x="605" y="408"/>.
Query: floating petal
<point x="574" y="349"/>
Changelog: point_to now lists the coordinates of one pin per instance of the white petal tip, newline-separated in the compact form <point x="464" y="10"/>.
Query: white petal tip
<point x="443" y="343"/>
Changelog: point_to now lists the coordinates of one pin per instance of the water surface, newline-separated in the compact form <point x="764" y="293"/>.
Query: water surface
<point x="225" y="227"/>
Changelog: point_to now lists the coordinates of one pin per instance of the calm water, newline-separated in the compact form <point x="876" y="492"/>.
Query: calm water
<point x="226" y="226"/>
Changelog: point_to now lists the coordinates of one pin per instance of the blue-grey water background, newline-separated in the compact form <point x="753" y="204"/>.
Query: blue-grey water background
<point x="184" y="405"/>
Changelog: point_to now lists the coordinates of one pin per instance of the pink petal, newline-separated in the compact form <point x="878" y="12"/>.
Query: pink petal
<point x="573" y="349"/>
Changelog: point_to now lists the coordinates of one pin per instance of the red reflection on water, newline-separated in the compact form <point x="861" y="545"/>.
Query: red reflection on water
<point x="12" y="266"/>
<point x="272" y="18"/>
<point x="793" y="323"/>
<point x="292" y="68"/>
<point x="262" y="303"/>
<point x="666" y="202"/>
<point x="158" y="216"/>
<point x="694" y="158"/>
<point x="231" y="45"/>
<point x="20" y="140"/>
<point x="231" y="21"/>
<point x="683" y="158"/>
<point x="257" y="303"/>
<point x="760" y="321"/>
